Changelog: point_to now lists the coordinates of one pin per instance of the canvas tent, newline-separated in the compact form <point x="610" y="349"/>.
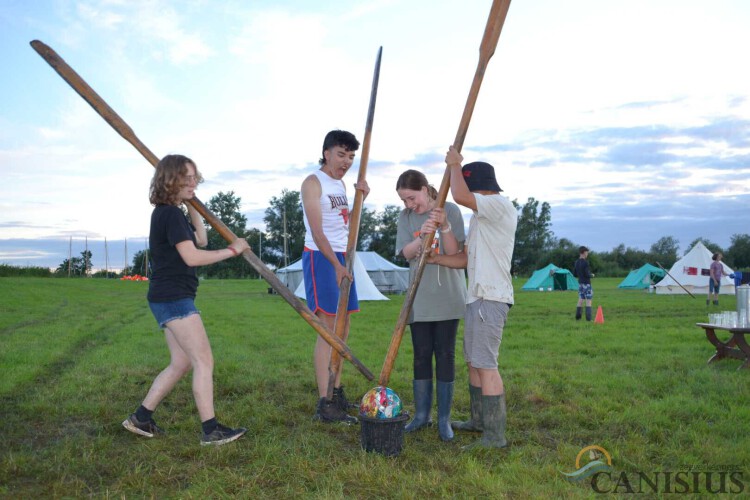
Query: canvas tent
<point x="387" y="276"/>
<point x="551" y="278"/>
<point x="372" y="275"/>
<point x="691" y="272"/>
<point x="643" y="277"/>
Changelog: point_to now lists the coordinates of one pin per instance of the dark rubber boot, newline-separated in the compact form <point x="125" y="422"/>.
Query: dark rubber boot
<point x="474" y="424"/>
<point x="493" y="421"/>
<point x="588" y="313"/>
<point x="423" y="404"/>
<point x="578" y="313"/>
<point x="444" y="403"/>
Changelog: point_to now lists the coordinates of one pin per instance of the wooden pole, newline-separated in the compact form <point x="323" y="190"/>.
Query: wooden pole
<point x="495" y="22"/>
<point x="342" y="313"/>
<point x="675" y="280"/>
<point x="122" y="128"/>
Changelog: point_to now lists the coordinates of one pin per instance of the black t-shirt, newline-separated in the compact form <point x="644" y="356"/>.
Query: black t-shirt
<point x="171" y="278"/>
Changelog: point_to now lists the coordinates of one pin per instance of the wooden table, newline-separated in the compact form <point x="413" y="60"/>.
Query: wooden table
<point x="736" y="347"/>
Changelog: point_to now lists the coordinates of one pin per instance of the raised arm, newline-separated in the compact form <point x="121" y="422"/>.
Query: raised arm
<point x="459" y="190"/>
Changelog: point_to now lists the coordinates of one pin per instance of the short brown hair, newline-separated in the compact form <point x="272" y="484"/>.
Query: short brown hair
<point x="415" y="180"/>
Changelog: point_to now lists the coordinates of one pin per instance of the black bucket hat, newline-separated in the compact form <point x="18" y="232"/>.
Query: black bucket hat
<point x="480" y="176"/>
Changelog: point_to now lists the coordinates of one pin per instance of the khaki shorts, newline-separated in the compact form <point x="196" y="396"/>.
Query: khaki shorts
<point x="484" y="321"/>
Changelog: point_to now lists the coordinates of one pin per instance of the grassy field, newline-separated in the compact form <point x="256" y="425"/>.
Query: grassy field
<point x="79" y="354"/>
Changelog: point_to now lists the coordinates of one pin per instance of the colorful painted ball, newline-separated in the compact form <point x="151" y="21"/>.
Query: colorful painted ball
<point x="380" y="402"/>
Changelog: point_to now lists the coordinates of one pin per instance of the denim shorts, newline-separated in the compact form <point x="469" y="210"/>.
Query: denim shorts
<point x="164" y="312"/>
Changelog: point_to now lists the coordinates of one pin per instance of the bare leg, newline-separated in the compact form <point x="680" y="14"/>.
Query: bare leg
<point x="344" y="337"/>
<point x="474" y="376"/>
<point x="322" y="356"/>
<point x="491" y="382"/>
<point x="179" y="365"/>
<point x="190" y="335"/>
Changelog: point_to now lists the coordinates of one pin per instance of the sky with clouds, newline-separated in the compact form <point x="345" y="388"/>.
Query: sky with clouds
<point x="630" y="118"/>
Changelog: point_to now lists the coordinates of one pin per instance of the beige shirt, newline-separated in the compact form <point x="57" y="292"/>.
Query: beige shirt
<point x="492" y="234"/>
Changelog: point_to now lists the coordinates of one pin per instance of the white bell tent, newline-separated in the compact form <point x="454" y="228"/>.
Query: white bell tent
<point x="692" y="272"/>
<point x="292" y="277"/>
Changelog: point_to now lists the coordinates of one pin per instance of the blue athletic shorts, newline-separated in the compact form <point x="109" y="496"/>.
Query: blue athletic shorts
<point x="713" y="287"/>
<point x="164" y="312"/>
<point x="321" y="289"/>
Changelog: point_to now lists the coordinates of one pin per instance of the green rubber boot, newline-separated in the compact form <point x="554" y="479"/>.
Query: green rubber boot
<point x="493" y="421"/>
<point x="474" y="424"/>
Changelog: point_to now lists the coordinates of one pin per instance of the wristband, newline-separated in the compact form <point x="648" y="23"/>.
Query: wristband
<point x="235" y="252"/>
<point x="447" y="229"/>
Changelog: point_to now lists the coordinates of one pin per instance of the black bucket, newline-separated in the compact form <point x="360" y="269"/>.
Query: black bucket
<point x="383" y="435"/>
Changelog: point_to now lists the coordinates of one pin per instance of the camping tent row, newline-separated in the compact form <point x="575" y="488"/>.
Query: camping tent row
<point x="692" y="272"/>
<point x="643" y="277"/>
<point x="372" y="273"/>
<point x="551" y="278"/>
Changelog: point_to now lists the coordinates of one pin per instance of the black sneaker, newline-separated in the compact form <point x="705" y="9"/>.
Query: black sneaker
<point x="148" y="429"/>
<point x="339" y="398"/>
<point x="329" y="412"/>
<point x="222" y="435"/>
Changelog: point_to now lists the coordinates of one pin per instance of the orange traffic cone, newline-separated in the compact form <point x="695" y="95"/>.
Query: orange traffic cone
<point x="599" y="316"/>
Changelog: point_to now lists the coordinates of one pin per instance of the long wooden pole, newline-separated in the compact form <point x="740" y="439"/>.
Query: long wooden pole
<point x="495" y="22"/>
<point x="675" y="280"/>
<point x="342" y="313"/>
<point x="100" y="106"/>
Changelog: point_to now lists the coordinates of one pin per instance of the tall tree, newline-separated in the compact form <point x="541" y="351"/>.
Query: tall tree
<point x="664" y="251"/>
<point x="533" y="235"/>
<point x="563" y="253"/>
<point x="368" y="228"/>
<point x="226" y="206"/>
<point x="287" y="205"/>
<point x="383" y="240"/>
<point x="140" y="264"/>
<point x="78" y="266"/>
<point x="738" y="254"/>
<point x="712" y="247"/>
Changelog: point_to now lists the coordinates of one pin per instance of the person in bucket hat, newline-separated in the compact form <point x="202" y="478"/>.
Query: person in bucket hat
<point x="489" y="246"/>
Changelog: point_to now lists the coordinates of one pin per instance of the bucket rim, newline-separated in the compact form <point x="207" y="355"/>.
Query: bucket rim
<point x="400" y="418"/>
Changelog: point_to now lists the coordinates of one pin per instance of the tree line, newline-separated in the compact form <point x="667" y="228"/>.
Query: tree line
<point x="536" y="245"/>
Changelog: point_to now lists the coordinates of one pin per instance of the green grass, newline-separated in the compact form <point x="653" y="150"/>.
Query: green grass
<point x="79" y="355"/>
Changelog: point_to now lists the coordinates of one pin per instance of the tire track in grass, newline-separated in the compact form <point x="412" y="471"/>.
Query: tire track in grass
<point x="36" y="321"/>
<point x="17" y="421"/>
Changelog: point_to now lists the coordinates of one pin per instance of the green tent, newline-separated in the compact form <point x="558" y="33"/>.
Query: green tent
<point x="551" y="278"/>
<point x="643" y="277"/>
